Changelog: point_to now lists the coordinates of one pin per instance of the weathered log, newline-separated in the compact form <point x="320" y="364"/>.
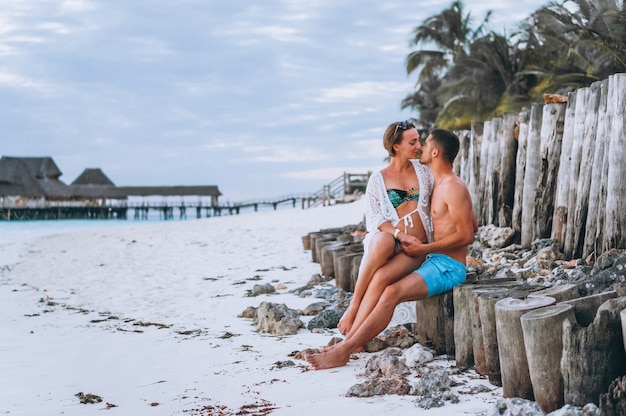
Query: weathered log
<point x="520" y="169"/>
<point x="486" y="310"/>
<point x="593" y="356"/>
<point x="354" y="270"/>
<point x="513" y="364"/>
<point x="474" y="167"/>
<point x="462" y="294"/>
<point x="343" y="270"/>
<point x="585" y="308"/>
<point x="435" y="323"/>
<point x="613" y="403"/>
<point x="560" y="293"/>
<point x="320" y="243"/>
<point x="599" y="172"/>
<point x="623" y="318"/>
<point x="543" y="341"/>
<point x="478" y="346"/>
<point x="615" y="221"/>
<point x="561" y="196"/>
<point x="572" y="232"/>
<point x="327" y="259"/>
<point x="531" y="177"/>
<point x="506" y="170"/>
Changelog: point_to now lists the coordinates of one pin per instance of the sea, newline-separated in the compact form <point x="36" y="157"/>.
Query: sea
<point x="16" y="235"/>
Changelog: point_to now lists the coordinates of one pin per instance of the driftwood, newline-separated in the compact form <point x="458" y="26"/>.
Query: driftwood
<point x="593" y="356"/>
<point x="531" y="176"/>
<point x="506" y="170"/>
<point x="520" y="168"/>
<point x="543" y="341"/>
<point x="513" y="364"/>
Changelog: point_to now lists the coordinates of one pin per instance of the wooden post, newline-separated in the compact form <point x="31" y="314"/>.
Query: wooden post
<point x="354" y="270"/>
<point x="532" y="174"/>
<point x="560" y="292"/>
<point x="343" y="270"/>
<point x="543" y="341"/>
<point x="585" y="308"/>
<point x="506" y="170"/>
<point x="615" y="221"/>
<point x="473" y="167"/>
<point x="561" y="194"/>
<point x="435" y="323"/>
<point x="486" y="310"/>
<point x="520" y="170"/>
<point x="599" y="171"/>
<point x="622" y="316"/>
<point x="513" y="364"/>
<point x="593" y="356"/>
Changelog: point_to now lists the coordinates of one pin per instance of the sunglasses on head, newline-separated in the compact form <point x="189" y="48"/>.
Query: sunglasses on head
<point x="403" y="125"/>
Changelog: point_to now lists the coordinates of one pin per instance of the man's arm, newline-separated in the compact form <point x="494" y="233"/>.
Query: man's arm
<point x="462" y="224"/>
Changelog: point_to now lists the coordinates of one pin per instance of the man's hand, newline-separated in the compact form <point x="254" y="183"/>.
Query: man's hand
<point x="412" y="246"/>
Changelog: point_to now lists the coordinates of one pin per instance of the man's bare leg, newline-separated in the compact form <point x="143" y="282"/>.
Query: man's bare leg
<point x="411" y="287"/>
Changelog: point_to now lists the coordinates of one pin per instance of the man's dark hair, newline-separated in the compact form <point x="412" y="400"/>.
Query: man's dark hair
<point x="448" y="142"/>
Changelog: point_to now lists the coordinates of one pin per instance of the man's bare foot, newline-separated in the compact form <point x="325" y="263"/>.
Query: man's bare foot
<point x="331" y="359"/>
<point x="346" y="321"/>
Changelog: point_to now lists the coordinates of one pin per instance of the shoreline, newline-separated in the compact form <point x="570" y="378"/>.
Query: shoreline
<point x="146" y="319"/>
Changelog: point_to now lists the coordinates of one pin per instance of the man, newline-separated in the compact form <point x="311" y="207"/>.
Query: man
<point x="454" y="226"/>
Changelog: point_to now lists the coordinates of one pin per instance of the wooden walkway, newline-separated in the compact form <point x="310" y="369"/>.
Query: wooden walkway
<point x="345" y="186"/>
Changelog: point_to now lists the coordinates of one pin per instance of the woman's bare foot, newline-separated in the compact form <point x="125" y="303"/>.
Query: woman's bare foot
<point x="346" y="321"/>
<point x="331" y="359"/>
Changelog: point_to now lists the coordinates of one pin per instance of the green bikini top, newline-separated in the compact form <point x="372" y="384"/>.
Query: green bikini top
<point x="400" y="196"/>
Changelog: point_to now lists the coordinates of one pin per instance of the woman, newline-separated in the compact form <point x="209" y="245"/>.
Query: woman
<point x="397" y="209"/>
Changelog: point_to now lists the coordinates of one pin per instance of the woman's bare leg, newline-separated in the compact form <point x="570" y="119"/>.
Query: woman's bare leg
<point x="398" y="267"/>
<point x="380" y="250"/>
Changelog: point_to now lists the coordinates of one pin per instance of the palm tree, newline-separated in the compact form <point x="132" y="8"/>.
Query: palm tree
<point x="580" y="41"/>
<point x="451" y="34"/>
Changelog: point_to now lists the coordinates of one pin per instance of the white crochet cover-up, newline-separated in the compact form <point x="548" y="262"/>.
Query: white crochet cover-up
<point x="379" y="209"/>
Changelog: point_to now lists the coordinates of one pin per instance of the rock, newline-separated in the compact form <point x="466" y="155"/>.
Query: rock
<point x="417" y="355"/>
<point x="261" y="290"/>
<point x="387" y="365"/>
<point x="495" y="237"/>
<point x="326" y="319"/>
<point x="249" y="312"/>
<point x="378" y="386"/>
<point x="314" y="308"/>
<point x="277" y="319"/>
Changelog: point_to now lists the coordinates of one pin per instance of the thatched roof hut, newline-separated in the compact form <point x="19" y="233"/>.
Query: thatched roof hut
<point x="31" y="177"/>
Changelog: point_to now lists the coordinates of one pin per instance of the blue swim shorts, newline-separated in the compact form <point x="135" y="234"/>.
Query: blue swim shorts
<point x="441" y="273"/>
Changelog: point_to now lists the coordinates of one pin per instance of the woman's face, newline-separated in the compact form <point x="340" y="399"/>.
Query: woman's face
<point x="410" y="146"/>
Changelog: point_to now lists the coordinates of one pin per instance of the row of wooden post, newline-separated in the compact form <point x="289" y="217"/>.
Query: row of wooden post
<point x="554" y="170"/>
<point x="546" y="345"/>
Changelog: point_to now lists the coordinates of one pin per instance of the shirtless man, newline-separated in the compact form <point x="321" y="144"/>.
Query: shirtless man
<point x="454" y="226"/>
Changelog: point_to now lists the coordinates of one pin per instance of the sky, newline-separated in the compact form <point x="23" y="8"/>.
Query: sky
<point x="263" y="99"/>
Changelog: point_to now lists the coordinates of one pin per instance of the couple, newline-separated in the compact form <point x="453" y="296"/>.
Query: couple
<point x="420" y="222"/>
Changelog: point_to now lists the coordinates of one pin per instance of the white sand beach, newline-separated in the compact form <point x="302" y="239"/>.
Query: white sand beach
<point x="145" y="317"/>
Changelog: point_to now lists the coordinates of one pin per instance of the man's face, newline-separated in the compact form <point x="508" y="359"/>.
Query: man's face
<point x="426" y="157"/>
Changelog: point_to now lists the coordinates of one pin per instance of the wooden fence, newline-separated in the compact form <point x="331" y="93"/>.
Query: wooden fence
<point x="555" y="170"/>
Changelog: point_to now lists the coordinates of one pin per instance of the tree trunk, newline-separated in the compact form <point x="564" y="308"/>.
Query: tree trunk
<point x="543" y="341"/>
<point x="513" y="364"/>
<point x="593" y="356"/>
